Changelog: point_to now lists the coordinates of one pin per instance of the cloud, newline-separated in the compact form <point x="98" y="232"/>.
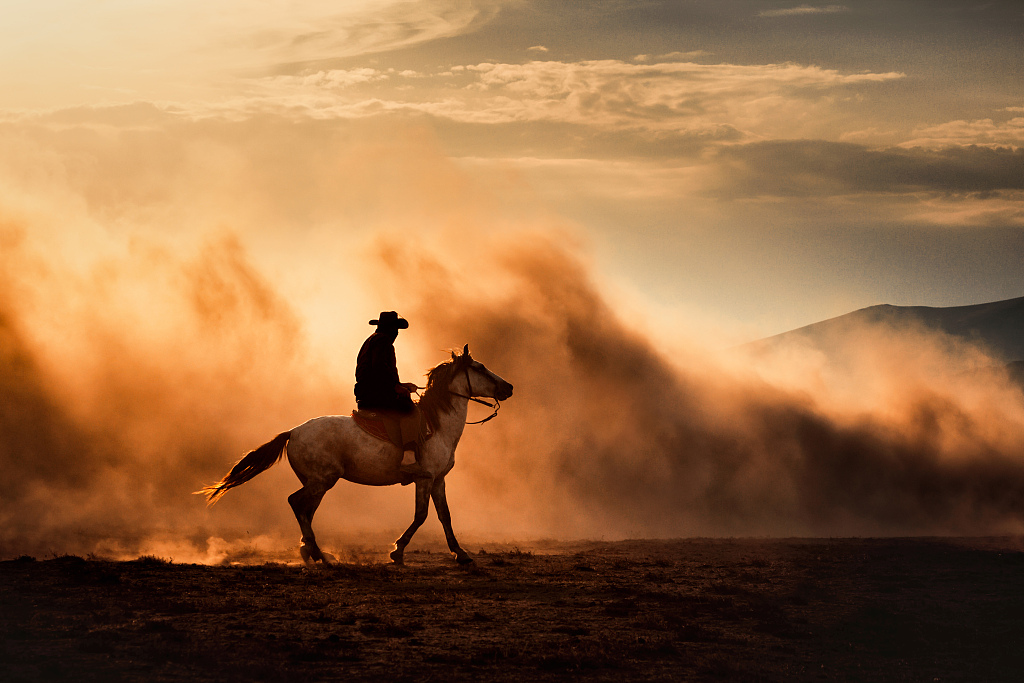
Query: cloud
<point x="968" y="186"/>
<point x="616" y="93"/>
<point x="667" y="97"/>
<point x="340" y="78"/>
<point x="997" y="210"/>
<point x="371" y="28"/>
<point x="981" y="132"/>
<point x="537" y="48"/>
<point x="692" y="54"/>
<point x="814" y="167"/>
<point x="191" y="50"/>
<point x="803" y="10"/>
<point x="673" y="56"/>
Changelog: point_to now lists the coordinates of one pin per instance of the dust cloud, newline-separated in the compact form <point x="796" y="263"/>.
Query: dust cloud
<point x="173" y="295"/>
<point x="613" y="433"/>
<point x="113" y="411"/>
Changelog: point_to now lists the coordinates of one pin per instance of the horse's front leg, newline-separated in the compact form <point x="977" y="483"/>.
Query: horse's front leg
<point x="423" y="487"/>
<point x="441" y="505"/>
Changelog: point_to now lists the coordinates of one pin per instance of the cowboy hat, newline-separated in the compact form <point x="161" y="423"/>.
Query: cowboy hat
<point x="390" y="319"/>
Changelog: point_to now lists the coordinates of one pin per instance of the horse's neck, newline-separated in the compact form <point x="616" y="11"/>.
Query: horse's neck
<point x="453" y="421"/>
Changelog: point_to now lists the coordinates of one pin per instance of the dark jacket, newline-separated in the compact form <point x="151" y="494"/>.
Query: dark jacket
<point x="377" y="375"/>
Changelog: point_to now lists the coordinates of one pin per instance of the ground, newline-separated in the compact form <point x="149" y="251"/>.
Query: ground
<point x="705" y="609"/>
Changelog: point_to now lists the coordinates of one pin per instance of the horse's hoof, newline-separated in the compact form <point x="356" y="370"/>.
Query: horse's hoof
<point x="464" y="559"/>
<point x="312" y="555"/>
<point x="397" y="556"/>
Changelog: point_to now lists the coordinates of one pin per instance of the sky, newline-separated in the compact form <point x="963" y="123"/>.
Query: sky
<point x="755" y="165"/>
<point x="203" y="204"/>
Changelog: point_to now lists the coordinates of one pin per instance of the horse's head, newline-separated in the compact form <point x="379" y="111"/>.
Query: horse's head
<point x="479" y="381"/>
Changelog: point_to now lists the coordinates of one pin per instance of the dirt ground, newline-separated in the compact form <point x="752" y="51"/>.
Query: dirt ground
<point x="773" y="610"/>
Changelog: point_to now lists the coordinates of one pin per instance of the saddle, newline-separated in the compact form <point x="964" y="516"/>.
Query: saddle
<point x="394" y="427"/>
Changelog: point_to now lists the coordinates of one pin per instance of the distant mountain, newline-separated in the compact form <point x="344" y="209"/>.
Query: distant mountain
<point x="998" y="326"/>
<point x="1016" y="369"/>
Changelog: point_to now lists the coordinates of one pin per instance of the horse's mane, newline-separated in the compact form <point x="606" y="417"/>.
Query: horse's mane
<point x="437" y="398"/>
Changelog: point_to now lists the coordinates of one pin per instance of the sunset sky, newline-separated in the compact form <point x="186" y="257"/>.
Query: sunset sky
<point x="761" y="165"/>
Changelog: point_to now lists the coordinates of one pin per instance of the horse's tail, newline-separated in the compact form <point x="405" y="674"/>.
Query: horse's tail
<point x="254" y="462"/>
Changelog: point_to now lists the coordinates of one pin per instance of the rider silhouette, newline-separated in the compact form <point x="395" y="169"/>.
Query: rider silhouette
<point x="377" y="383"/>
<point x="379" y="388"/>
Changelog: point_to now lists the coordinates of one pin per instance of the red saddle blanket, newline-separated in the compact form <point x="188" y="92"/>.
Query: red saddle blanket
<point x="371" y="424"/>
<point x="386" y="426"/>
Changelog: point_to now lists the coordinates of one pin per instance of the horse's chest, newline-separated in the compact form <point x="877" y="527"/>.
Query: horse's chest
<point x="447" y="457"/>
<point x="451" y="456"/>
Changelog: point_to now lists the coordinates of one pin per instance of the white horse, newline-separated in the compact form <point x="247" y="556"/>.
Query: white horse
<point x="326" y="449"/>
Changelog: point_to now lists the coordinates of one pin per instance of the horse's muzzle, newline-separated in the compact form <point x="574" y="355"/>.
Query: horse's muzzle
<point x="503" y="391"/>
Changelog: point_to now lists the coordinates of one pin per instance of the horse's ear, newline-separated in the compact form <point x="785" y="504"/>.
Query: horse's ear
<point x="454" y="357"/>
<point x="465" y="350"/>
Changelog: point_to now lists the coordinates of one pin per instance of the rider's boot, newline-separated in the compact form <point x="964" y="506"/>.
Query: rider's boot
<point x="411" y="469"/>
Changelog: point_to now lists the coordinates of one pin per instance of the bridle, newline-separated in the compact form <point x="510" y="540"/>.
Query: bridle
<point x="496" y="406"/>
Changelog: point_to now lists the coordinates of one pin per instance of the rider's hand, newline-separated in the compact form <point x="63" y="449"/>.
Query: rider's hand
<point x="406" y="388"/>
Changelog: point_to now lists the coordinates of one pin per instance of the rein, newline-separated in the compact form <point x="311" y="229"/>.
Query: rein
<point x="496" y="406"/>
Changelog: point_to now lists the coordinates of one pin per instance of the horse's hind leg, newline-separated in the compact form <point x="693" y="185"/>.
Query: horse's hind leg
<point x="304" y="503"/>
<point x="441" y="505"/>
<point x="423" y="487"/>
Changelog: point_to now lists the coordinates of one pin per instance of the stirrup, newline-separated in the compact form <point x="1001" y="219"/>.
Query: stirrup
<point x="414" y="471"/>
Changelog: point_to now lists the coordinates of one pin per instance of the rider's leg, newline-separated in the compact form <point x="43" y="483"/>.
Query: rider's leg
<point x="411" y="466"/>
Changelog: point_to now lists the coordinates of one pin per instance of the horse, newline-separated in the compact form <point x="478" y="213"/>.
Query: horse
<point x="325" y="449"/>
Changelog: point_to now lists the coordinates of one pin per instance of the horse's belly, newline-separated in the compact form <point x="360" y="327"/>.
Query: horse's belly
<point x="372" y="477"/>
<point x="380" y="469"/>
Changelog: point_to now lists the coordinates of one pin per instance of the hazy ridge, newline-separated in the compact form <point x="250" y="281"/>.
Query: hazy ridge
<point x="997" y="326"/>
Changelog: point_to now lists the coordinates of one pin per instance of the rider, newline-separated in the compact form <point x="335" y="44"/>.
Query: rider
<point x="379" y="388"/>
